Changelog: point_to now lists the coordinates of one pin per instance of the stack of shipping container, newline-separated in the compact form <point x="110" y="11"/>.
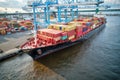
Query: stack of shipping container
<point x="75" y="29"/>
<point x="60" y="33"/>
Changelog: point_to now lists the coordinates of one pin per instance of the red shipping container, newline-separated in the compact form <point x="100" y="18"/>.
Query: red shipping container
<point x="78" y="28"/>
<point x="78" y="34"/>
<point x="51" y="32"/>
<point x="79" y="31"/>
<point x="46" y="38"/>
<point x="70" y="33"/>
<point x="64" y="33"/>
<point x="80" y="20"/>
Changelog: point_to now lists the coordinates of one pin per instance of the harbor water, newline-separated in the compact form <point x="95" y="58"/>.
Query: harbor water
<point x="97" y="58"/>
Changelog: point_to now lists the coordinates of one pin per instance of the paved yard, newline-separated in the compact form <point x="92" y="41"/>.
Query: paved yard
<point x="8" y="42"/>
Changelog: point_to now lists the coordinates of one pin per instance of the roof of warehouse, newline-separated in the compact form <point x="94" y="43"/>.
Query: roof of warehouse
<point x="12" y="10"/>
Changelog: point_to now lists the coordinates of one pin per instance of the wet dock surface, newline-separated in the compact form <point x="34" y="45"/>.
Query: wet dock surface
<point x="97" y="58"/>
<point x="11" y="41"/>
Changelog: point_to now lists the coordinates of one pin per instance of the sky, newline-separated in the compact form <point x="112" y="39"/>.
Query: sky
<point x="13" y="3"/>
<point x="21" y="3"/>
<point x="113" y="1"/>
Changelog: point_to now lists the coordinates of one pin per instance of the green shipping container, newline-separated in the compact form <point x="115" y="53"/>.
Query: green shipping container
<point x="64" y="37"/>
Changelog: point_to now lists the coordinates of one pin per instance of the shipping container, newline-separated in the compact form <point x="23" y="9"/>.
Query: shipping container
<point x="71" y="37"/>
<point x="50" y="32"/>
<point x="70" y="33"/>
<point x="65" y="27"/>
<point x="74" y="23"/>
<point x="64" y="33"/>
<point x="50" y="26"/>
<point x="64" y="37"/>
<point x="79" y="34"/>
<point x="84" y="29"/>
<point x="2" y="31"/>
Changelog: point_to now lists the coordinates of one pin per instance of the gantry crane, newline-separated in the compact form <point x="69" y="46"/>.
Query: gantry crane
<point x="62" y="6"/>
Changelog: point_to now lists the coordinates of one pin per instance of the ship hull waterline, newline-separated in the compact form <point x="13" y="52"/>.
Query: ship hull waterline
<point x="50" y="49"/>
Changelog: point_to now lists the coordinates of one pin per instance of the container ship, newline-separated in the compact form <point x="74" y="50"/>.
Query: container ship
<point x="62" y="35"/>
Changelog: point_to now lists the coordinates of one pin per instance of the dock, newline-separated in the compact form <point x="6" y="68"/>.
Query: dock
<point x="9" y="53"/>
<point x="8" y="44"/>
